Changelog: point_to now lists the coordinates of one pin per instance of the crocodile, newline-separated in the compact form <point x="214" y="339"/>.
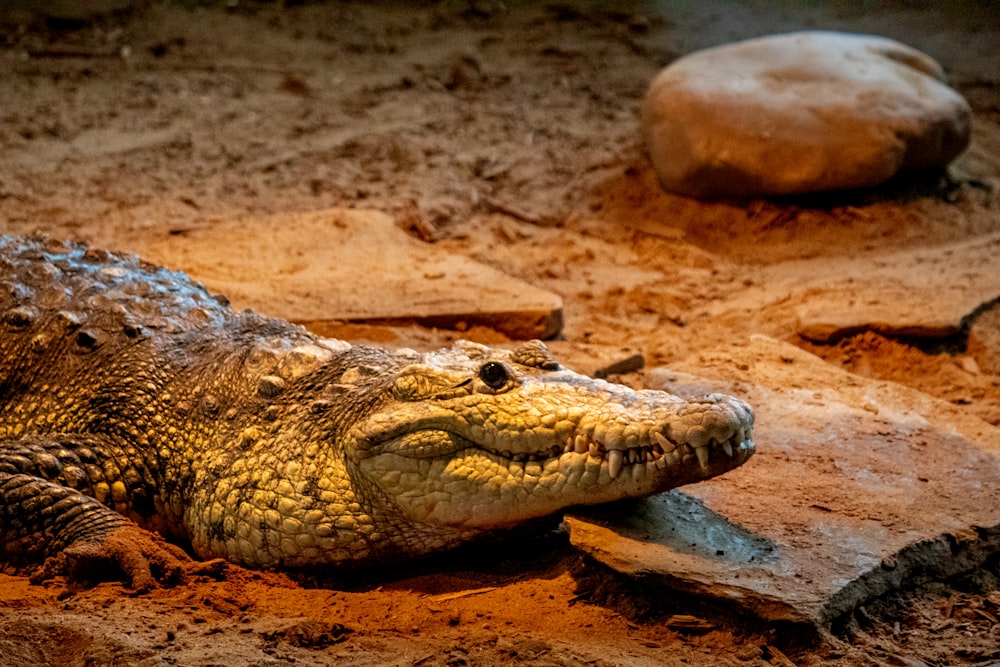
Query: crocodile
<point x="139" y="412"/>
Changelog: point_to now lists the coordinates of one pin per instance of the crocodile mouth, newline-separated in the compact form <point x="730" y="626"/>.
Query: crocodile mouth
<point x="660" y="452"/>
<point x="663" y="452"/>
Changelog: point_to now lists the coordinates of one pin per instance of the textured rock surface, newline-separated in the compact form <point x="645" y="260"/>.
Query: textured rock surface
<point x="404" y="280"/>
<point x="924" y="292"/>
<point x="800" y="112"/>
<point x="984" y="338"/>
<point x="846" y="499"/>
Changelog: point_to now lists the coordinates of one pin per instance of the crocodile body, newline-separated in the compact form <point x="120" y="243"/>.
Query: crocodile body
<point x="130" y="394"/>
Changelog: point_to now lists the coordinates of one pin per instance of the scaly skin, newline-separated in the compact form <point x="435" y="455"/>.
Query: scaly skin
<point x="128" y="393"/>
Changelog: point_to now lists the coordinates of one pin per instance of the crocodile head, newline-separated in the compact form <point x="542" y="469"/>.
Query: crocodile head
<point x="474" y="438"/>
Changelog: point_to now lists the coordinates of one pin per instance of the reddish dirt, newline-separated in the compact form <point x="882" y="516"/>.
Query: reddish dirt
<point x="957" y="376"/>
<point x="507" y="133"/>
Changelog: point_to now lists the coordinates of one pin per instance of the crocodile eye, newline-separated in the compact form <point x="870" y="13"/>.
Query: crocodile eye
<point x="493" y="374"/>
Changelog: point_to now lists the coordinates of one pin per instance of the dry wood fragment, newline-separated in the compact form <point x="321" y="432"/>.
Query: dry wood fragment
<point x="462" y="594"/>
<point x="688" y="623"/>
<point x="949" y="606"/>
<point x="626" y="365"/>
<point x="987" y="615"/>
<point x="779" y="657"/>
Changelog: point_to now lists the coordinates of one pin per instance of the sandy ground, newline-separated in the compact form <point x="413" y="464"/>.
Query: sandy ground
<point x="506" y="133"/>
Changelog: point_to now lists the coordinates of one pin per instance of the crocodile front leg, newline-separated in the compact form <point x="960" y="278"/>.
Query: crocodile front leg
<point x="48" y="511"/>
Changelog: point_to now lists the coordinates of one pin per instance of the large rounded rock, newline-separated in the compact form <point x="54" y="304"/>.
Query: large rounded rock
<point x="800" y="112"/>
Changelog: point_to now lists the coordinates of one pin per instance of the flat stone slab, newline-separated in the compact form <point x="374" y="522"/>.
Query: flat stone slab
<point x="925" y="292"/>
<point x="326" y="267"/>
<point x="857" y="487"/>
<point x="800" y="112"/>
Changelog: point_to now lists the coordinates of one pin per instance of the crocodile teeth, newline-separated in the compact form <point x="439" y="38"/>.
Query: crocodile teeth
<point x="663" y="442"/>
<point x="583" y="444"/>
<point x="702" y="454"/>
<point x="569" y="445"/>
<point x="594" y="450"/>
<point x="727" y="448"/>
<point x="615" y="460"/>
